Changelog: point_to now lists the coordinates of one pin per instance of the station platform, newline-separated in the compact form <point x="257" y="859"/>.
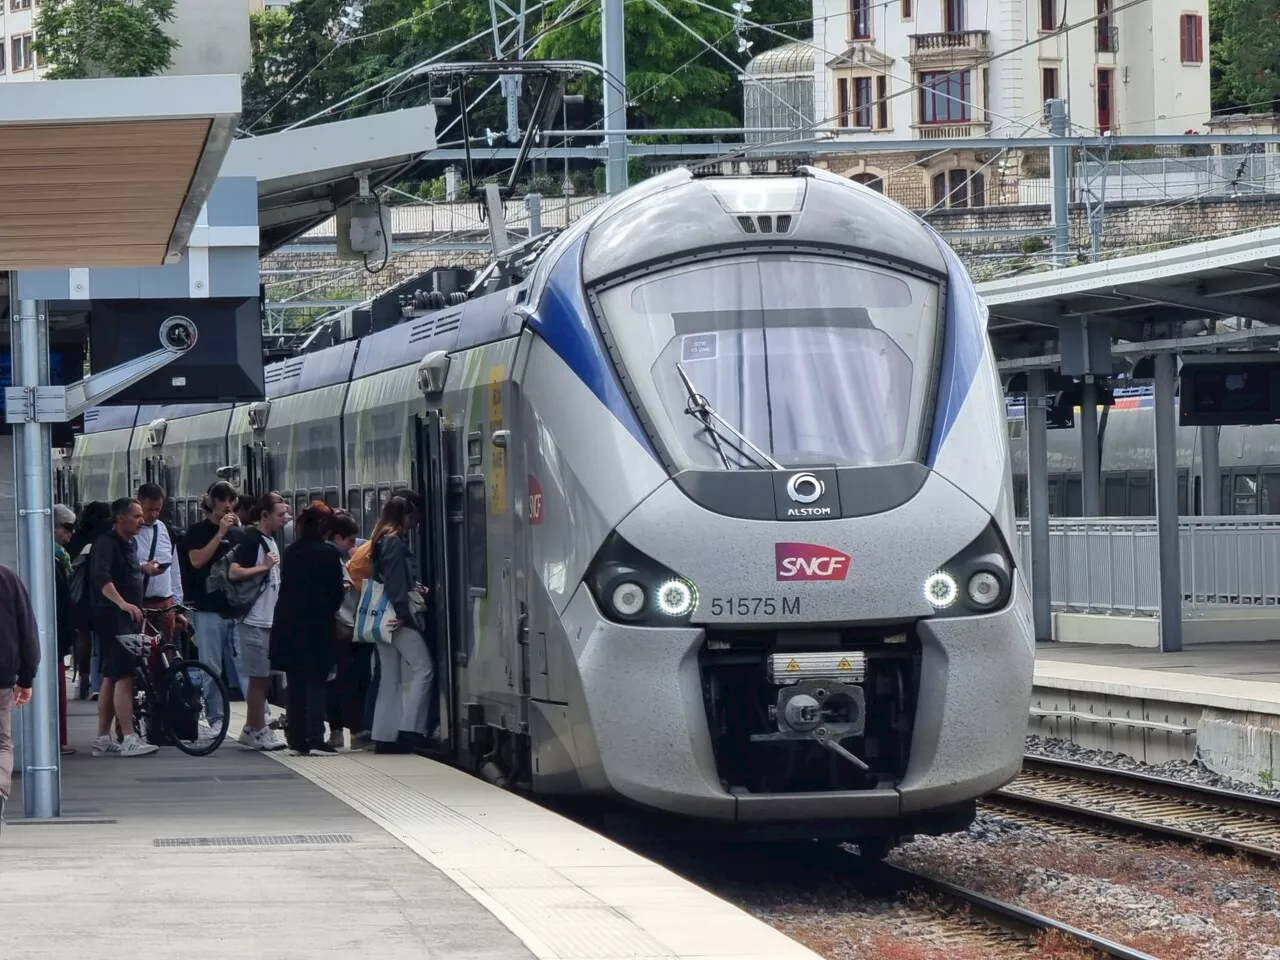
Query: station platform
<point x="1218" y="702"/>
<point x="250" y="854"/>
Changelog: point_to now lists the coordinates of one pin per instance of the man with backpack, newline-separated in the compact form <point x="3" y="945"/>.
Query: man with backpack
<point x="255" y="565"/>
<point x="205" y="546"/>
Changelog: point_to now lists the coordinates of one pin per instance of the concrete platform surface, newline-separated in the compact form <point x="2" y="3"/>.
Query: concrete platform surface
<point x="245" y="854"/>
<point x="1231" y="676"/>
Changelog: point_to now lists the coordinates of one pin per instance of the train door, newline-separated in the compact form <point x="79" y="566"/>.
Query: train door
<point x="440" y="537"/>
<point x="258" y="473"/>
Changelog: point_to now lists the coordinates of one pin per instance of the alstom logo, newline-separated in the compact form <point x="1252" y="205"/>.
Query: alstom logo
<point x="809" y="561"/>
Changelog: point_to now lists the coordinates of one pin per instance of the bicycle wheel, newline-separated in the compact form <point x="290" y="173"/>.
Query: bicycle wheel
<point x="185" y="712"/>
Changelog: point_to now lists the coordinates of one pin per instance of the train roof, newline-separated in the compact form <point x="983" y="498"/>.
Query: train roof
<point x="683" y="214"/>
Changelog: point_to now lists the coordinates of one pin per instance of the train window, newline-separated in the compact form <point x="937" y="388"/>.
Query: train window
<point x="1113" y="497"/>
<point x="477" y="535"/>
<point x="1225" y="496"/>
<point x="384" y="494"/>
<point x="1075" y="497"/>
<point x="1020" y="496"/>
<point x="1270" y="494"/>
<point x="369" y="503"/>
<point x="1140" y="501"/>
<point x="1055" y="498"/>
<point x="355" y="508"/>
<point x="300" y="502"/>
<point x="1244" y="496"/>
<point x="1182" y="495"/>
<point x="331" y="498"/>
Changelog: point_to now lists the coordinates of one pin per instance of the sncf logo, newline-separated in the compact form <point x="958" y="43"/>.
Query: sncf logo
<point x="808" y="561"/>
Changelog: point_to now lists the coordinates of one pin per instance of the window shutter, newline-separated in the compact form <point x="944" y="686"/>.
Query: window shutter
<point x="1199" y="25"/>
<point x="1182" y="37"/>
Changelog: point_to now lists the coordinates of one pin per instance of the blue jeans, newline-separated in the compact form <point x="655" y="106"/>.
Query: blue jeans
<point x="216" y="643"/>
<point x="95" y="666"/>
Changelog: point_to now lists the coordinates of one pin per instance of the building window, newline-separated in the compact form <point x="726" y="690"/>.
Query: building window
<point x="869" y="180"/>
<point x="959" y="188"/>
<point x="19" y="4"/>
<point x="953" y="16"/>
<point x="944" y="97"/>
<point x="907" y="12"/>
<point x="1048" y="15"/>
<point x="2" y="54"/>
<point x="21" y="55"/>
<point x="842" y="101"/>
<point x="1192" y="38"/>
<point x="862" y="102"/>
<point x="1048" y="84"/>
<point x="860" y="19"/>
<point x="882" y="102"/>
<point x="1107" y="33"/>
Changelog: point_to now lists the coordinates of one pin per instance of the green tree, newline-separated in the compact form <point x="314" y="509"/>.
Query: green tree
<point x="1244" y="54"/>
<point x="92" y="38"/>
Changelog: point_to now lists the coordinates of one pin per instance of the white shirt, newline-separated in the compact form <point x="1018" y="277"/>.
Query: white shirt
<point x="167" y="583"/>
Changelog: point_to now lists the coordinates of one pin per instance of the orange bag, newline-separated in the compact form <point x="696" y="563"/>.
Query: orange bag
<point x="360" y="565"/>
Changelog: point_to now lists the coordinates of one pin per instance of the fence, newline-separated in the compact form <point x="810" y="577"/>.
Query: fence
<point x="1113" y="565"/>
<point x="1178" y="178"/>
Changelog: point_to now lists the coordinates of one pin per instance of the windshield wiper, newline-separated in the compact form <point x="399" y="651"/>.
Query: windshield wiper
<point x="701" y="410"/>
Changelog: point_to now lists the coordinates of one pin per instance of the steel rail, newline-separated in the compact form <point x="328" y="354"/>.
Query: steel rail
<point x="1006" y="915"/>
<point x="1173" y="800"/>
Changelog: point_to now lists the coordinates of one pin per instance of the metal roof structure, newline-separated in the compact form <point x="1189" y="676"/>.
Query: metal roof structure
<point x="109" y="172"/>
<point x="1165" y="295"/>
<point x="305" y="175"/>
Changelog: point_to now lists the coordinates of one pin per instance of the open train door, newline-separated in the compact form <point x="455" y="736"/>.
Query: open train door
<point x="438" y="535"/>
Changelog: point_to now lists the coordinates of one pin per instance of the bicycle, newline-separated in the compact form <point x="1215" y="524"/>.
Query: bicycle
<point x="169" y="691"/>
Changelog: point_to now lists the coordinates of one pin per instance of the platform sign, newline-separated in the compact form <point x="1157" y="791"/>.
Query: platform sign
<point x="1223" y="390"/>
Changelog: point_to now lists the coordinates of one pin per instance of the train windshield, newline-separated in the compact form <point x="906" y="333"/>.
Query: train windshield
<point x="801" y="360"/>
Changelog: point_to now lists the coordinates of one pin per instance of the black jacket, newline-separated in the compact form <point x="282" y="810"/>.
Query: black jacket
<point x="303" y="629"/>
<point x="19" y="641"/>
<point x="397" y="568"/>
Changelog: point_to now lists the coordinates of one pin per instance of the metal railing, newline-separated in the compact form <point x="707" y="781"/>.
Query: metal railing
<point x="1112" y="565"/>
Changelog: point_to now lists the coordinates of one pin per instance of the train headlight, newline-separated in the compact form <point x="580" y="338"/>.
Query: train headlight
<point x="940" y="589"/>
<point x="630" y="587"/>
<point x="985" y="589"/>
<point x="628" y="599"/>
<point x="677" y="598"/>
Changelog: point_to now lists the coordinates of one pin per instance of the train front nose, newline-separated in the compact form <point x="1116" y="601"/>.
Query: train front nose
<point x="815" y="692"/>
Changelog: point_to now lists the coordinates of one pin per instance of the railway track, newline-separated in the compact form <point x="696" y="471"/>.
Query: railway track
<point x="1006" y="917"/>
<point x="1192" y="813"/>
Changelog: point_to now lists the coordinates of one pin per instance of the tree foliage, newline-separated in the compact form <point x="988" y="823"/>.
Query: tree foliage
<point x="319" y="52"/>
<point x="1245" y="54"/>
<point x="75" y="39"/>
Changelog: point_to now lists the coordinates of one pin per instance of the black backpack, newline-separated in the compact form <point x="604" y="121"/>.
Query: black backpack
<point x="78" y="581"/>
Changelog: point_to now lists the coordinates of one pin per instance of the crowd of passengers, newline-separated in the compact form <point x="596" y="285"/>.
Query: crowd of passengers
<point x="299" y="570"/>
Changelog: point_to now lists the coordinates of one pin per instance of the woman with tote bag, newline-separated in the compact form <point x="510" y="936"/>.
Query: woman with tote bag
<point x="392" y="612"/>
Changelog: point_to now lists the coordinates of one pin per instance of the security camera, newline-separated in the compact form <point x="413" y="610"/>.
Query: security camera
<point x="178" y="334"/>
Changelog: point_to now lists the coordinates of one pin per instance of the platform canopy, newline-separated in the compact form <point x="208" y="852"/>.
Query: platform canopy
<point x="1165" y="294"/>
<point x="305" y="175"/>
<point x="109" y="172"/>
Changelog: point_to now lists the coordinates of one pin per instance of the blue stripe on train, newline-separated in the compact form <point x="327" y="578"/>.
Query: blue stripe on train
<point x="963" y="346"/>
<point x="563" y="319"/>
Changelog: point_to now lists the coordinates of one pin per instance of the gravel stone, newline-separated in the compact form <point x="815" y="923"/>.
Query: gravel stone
<point x="1181" y="770"/>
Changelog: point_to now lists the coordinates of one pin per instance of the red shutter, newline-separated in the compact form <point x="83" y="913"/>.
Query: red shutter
<point x="1199" y="23"/>
<point x="1182" y="38"/>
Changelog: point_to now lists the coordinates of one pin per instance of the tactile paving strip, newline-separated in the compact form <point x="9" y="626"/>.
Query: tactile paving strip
<point x="300" y="839"/>
<point x="515" y="858"/>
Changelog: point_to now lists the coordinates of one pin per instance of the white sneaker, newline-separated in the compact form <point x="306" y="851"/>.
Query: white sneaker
<point x="105" y="745"/>
<point x="247" y="738"/>
<point x="132" y="746"/>
<point x="266" y="739"/>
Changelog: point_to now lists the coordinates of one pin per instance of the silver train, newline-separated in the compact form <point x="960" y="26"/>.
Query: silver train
<point x="1248" y="466"/>
<point x="720" y="508"/>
